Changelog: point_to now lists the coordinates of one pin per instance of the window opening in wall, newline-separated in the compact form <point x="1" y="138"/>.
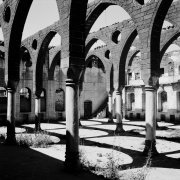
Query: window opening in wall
<point x="161" y="71"/>
<point x="60" y="100"/>
<point x="163" y="117"/>
<point x="138" y="116"/>
<point x="172" y="118"/>
<point x="3" y="100"/>
<point x="170" y="68"/>
<point x="130" y="76"/>
<point x="163" y="101"/>
<point x="34" y="44"/>
<point x="137" y="76"/>
<point x="87" y="109"/>
<point x="43" y="101"/>
<point x="131" y="116"/>
<point x="116" y="37"/>
<point x="107" y="54"/>
<point x="25" y="100"/>
<point x="131" y="101"/>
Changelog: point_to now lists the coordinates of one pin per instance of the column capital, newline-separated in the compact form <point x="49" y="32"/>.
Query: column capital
<point x="120" y="88"/>
<point x="149" y="88"/>
<point x="36" y="97"/>
<point x="11" y="90"/>
<point x="71" y="82"/>
<point x="118" y="92"/>
<point x="12" y="84"/>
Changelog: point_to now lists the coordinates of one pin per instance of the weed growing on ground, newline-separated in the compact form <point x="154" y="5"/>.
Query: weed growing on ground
<point x="141" y="173"/>
<point x="85" y="163"/>
<point x="40" y="139"/>
<point x="112" y="167"/>
<point x="2" y="137"/>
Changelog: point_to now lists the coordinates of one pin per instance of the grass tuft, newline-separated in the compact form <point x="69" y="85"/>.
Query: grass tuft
<point x="37" y="140"/>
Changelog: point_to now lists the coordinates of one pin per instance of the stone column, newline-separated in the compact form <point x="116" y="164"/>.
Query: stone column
<point x="11" y="138"/>
<point x="124" y="101"/>
<point x="37" y="114"/>
<point x="119" y="125"/>
<point x="150" y="142"/>
<point x="110" y="108"/>
<point x="72" y="162"/>
<point x="78" y="105"/>
<point x="155" y="107"/>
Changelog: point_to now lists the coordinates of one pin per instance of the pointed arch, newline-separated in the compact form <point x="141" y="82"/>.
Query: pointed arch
<point x="42" y="54"/>
<point x="167" y="44"/>
<point x="155" y="35"/>
<point x="89" y="45"/>
<point x="55" y="62"/>
<point x="98" y="7"/>
<point x="126" y="46"/>
<point x="13" y="61"/>
<point x="132" y="58"/>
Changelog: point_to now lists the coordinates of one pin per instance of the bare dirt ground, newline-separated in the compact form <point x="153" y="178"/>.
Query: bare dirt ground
<point x="98" y="146"/>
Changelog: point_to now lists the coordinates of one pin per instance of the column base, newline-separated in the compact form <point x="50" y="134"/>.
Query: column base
<point x="72" y="162"/>
<point x="37" y="124"/>
<point x="11" y="134"/>
<point x="150" y="148"/>
<point x="157" y="125"/>
<point x="38" y="128"/>
<point x="10" y="141"/>
<point x="119" y="128"/>
<point x="80" y="125"/>
<point x="110" y="118"/>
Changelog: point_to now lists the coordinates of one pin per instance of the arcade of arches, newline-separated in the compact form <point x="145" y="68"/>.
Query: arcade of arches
<point x="133" y="75"/>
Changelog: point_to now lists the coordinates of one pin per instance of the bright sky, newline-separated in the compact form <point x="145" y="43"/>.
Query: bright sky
<point x="41" y="14"/>
<point x="45" y="12"/>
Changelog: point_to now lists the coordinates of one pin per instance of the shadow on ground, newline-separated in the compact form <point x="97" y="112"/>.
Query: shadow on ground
<point x="25" y="163"/>
<point x="17" y="163"/>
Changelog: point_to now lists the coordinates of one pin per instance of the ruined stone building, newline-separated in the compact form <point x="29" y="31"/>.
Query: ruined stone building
<point x="133" y="75"/>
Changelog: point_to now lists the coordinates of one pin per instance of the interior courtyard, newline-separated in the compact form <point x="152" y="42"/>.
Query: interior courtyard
<point x="117" y="87"/>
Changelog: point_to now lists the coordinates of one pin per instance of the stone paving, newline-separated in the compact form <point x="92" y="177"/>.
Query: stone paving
<point x="97" y="140"/>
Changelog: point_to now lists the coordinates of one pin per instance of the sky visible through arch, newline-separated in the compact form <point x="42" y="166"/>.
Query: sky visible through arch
<point x="45" y="12"/>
